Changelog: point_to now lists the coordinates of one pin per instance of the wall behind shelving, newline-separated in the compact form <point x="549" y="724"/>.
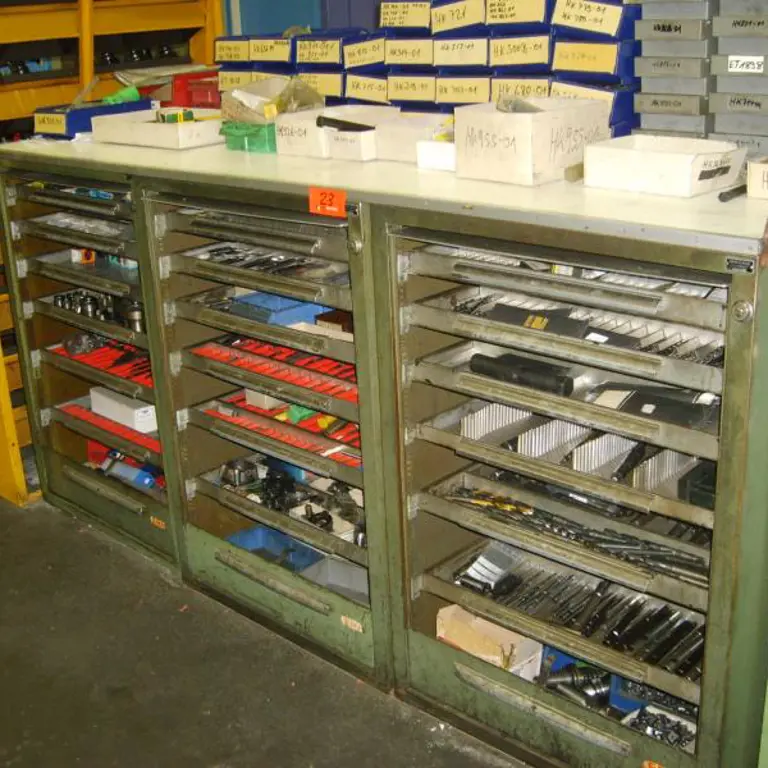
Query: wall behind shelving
<point x="267" y="16"/>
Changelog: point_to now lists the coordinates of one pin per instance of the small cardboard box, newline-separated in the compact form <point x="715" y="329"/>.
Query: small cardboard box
<point x="533" y="144"/>
<point x="141" y="129"/>
<point x="498" y="646"/>
<point x="663" y="165"/>
<point x="124" y="410"/>
<point x="757" y="178"/>
<point x="397" y="139"/>
<point x="359" y="146"/>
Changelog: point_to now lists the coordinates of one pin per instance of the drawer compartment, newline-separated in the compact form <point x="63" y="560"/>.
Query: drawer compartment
<point x="342" y="626"/>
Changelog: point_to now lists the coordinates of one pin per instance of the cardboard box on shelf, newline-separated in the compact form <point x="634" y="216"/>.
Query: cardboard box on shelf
<point x="757" y="178"/>
<point x="533" y="143"/>
<point x="498" y="646"/>
<point x="124" y="410"/>
<point x="397" y="139"/>
<point x="663" y="165"/>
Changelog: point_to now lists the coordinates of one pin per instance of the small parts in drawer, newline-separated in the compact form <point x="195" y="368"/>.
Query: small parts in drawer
<point x="524" y="371"/>
<point x="102" y="306"/>
<point x="663" y="726"/>
<point x="113" y="357"/>
<point x="142" y="477"/>
<point x="646" y="628"/>
<point x="585" y="685"/>
<point x="114" y="230"/>
<point x="269" y="260"/>
<point x="319" y="374"/>
<point x="648" y="555"/>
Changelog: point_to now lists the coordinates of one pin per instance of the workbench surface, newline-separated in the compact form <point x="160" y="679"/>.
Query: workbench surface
<point x="702" y="222"/>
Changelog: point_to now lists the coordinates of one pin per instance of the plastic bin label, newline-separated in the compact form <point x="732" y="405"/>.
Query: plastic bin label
<point x="589" y="16"/>
<point x="463" y="90"/>
<point x="318" y="51"/>
<point x="352" y="624"/>
<point x="367" y="88"/>
<point x="515" y="11"/>
<point x="569" y="91"/>
<point x="363" y="54"/>
<point x="405" y="15"/>
<point x="458" y="15"/>
<point x="518" y="86"/>
<point x="651" y="764"/>
<point x="325" y="83"/>
<point x="403" y="88"/>
<point x="232" y="50"/>
<point x="465" y="53"/>
<point x="506" y="51"/>
<point x="746" y="65"/>
<point x="328" y="202"/>
<point x="230" y="80"/>
<point x="271" y="50"/>
<point x="409" y="52"/>
<point x="586" y="57"/>
<point x="49" y="122"/>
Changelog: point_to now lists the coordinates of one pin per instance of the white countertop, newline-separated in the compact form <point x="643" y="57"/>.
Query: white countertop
<point x="703" y="222"/>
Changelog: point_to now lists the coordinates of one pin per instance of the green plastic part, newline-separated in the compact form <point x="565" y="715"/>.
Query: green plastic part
<point x="247" y="137"/>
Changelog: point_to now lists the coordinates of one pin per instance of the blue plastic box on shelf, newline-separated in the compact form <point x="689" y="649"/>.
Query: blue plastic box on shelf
<point x="464" y="17"/>
<point x="504" y="86"/>
<point x="621" y="98"/>
<point x="276" y="546"/>
<point x="519" y="17"/>
<point x="599" y="62"/>
<point x="529" y="54"/>
<point x="366" y="55"/>
<point x="589" y="20"/>
<point x="409" y="52"/>
<point x="406" y="16"/>
<point x="67" y="120"/>
<point x="324" y="49"/>
<point x="276" y="310"/>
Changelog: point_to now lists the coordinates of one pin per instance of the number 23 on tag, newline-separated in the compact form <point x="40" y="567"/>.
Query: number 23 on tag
<point x="328" y="202"/>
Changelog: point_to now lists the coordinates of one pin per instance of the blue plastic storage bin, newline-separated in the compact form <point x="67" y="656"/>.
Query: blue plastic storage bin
<point x="274" y="309"/>
<point x="274" y="545"/>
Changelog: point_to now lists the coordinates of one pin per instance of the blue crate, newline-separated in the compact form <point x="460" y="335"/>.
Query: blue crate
<point x="619" y="699"/>
<point x="275" y="545"/>
<point x="275" y="310"/>
<point x="63" y="122"/>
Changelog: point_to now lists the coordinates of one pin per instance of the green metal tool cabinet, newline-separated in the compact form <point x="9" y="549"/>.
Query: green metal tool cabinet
<point x="430" y="283"/>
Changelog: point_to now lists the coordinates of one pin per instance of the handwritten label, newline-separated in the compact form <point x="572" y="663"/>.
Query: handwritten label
<point x="566" y="140"/>
<point x="712" y="169"/>
<point x="758" y="24"/>
<point x="458" y="15"/>
<point x="402" y="88"/>
<point x="515" y="11"/>
<point x="318" y="51"/>
<point x="463" y="90"/>
<point x="668" y="27"/>
<point x="230" y="80"/>
<point x="664" y="65"/>
<point x="670" y="105"/>
<point x="409" y="52"/>
<point x="325" y="83"/>
<point x="405" y="15"/>
<point x="328" y="202"/>
<point x="569" y="91"/>
<point x="232" y="50"/>
<point x="472" y="52"/>
<point x="502" y="87"/>
<point x="589" y="16"/>
<point x="49" y="122"/>
<point x="367" y="88"/>
<point x="480" y="142"/>
<point x="511" y="51"/>
<point x="585" y="57"/>
<point x="745" y="103"/>
<point x="257" y="77"/>
<point x="275" y="49"/>
<point x="743" y="65"/>
<point x="364" y="54"/>
<point x="292" y="133"/>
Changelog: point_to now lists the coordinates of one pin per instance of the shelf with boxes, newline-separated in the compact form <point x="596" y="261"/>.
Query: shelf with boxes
<point x="274" y="447"/>
<point x="89" y="378"/>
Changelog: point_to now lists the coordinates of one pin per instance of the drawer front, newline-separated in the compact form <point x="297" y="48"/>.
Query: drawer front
<point x="496" y="698"/>
<point x="118" y="507"/>
<point x="330" y="620"/>
<point x="13" y="372"/>
<point x="6" y="319"/>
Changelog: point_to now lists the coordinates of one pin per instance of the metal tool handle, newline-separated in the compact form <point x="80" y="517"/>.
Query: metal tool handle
<point x="102" y="490"/>
<point x="271" y="583"/>
<point x="531" y="706"/>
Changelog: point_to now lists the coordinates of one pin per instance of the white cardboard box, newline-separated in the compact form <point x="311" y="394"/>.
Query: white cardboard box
<point x="359" y="146"/>
<point x="663" y="165"/>
<point x="141" y="129"/>
<point x="436" y="155"/>
<point x="124" y="410"/>
<point x="757" y="178"/>
<point x="396" y="139"/>
<point x="532" y="145"/>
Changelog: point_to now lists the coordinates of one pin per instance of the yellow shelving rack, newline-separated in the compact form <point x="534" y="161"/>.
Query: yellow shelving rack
<point x="82" y="20"/>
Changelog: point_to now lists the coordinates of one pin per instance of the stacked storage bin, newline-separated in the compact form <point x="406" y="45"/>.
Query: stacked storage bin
<point x="740" y="102"/>
<point x="674" y="67"/>
<point x="245" y="60"/>
<point x="594" y="53"/>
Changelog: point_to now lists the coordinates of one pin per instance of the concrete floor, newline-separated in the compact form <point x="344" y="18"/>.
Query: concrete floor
<point x="106" y="661"/>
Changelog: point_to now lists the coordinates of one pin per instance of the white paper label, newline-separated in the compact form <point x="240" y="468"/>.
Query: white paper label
<point x="754" y="65"/>
<point x="598" y="338"/>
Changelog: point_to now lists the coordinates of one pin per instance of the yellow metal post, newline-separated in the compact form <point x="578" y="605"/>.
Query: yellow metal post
<point x="85" y="12"/>
<point x="13" y="485"/>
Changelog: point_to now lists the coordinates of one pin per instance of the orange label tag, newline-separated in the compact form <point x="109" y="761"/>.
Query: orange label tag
<point x="328" y="202"/>
<point x="651" y="764"/>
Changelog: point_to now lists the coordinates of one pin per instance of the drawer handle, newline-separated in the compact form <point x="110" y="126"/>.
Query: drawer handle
<point x="271" y="583"/>
<point x="66" y="201"/>
<point x="108" y="493"/>
<point x="529" y="705"/>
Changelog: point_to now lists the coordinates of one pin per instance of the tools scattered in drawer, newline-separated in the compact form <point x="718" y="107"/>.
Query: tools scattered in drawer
<point x="318" y="433"/>
<point x="88" y="225"/>
<point x="647" y="629"/>
<point x="113" y="357"/>
<point x="102" y="306"/>
<point x="314" y="372"/>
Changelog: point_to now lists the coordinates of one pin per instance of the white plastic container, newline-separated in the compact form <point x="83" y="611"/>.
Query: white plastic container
<point x="124" y="410"/>
<point x="397" y="139"/>
<point x="141" y="129"/>
<point x="663" y="165"/>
